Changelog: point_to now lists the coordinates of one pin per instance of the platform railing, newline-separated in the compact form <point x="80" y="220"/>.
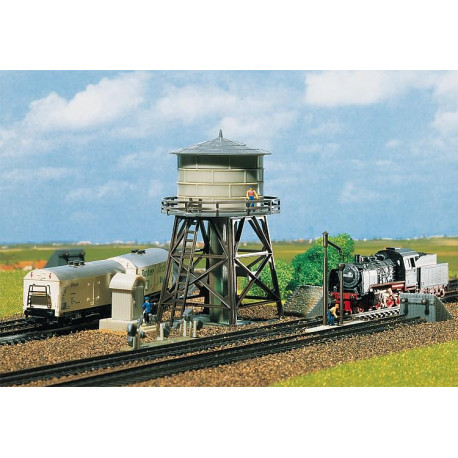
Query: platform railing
<point x="265" y="205"/>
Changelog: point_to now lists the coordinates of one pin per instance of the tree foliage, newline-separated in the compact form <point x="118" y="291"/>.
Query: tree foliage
<point x="284" y="275"/>
<point x="308" y="266"/>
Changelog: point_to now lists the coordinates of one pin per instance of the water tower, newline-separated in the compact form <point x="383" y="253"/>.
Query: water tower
<point x="212" y="212"/>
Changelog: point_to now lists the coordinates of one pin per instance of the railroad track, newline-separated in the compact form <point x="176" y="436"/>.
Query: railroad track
<point x="195" y="354"/>
<point x="16" y="324"/>
<point x="27" y="332"/>
<point x="150" y="353"/>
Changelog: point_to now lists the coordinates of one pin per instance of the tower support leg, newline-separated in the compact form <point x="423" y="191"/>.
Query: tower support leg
<point x="206" y="260"/>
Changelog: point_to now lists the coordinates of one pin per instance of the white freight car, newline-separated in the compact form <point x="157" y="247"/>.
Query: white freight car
<point x="149" y="263"/>
<point x="82" y="289"/>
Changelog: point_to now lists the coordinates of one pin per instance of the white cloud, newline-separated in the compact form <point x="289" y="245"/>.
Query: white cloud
<point x="393" y="143"/>
<point x="248" y="114"/>
<point x="53" y="121"/>
<point x="446" y="122"/>
<point x="446" y="93"/>
<point x="254" y="130"/>
<point x="385" y="164"/>
<point x="352" y="194"/>
<point x="156" y="189"/>
<point x="190" y="103"/>
<point x="326" y="128"/>
<point x="446" y="88"/>
<point x="98" y="104"/>
<point x="142" y="159"/>
<point x="40" y="174"/>
<point x="108" y="190"/>
<point x="338" y="88"/>
<point x="6" y="136"/>
<point x="324" y="149"/>
<point x="342" y="88"/>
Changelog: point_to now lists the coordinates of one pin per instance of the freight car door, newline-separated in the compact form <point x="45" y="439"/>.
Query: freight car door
<point x="139" y="295"/>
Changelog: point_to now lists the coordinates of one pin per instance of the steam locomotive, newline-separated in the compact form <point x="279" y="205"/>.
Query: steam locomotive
<point x="375" y="281"/>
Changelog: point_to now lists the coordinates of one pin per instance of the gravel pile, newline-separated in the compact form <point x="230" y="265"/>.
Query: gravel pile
<point x="263" y="371"/>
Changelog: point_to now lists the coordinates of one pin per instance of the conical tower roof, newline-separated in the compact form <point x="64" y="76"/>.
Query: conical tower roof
<point x="223" y="146"/>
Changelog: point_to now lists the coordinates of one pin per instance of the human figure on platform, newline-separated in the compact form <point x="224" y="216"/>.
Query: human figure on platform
<point x="147" y="310"/>
<point x="332" y="313"/>
<point x="251" y="194"/>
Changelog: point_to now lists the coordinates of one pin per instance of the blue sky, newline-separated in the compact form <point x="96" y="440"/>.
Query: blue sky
<point x="85" y="154"/>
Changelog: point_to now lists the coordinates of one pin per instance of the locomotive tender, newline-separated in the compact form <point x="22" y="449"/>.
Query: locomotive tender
<point x="376" y="281"/>
<point x="81" y="289"/>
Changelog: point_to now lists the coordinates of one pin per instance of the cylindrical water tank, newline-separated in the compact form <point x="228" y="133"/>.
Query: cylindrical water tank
<point x="220" y="170"/>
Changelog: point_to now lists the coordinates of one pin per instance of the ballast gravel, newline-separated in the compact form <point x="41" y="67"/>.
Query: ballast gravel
<point x="263" y="371"/>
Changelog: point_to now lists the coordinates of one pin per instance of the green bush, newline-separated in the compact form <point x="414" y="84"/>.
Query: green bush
<point x="308" y="266"/>
<point x="284" y="276"/>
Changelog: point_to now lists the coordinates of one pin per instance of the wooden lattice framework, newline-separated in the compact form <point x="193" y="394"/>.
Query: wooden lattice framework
<point x="206" y="260"/>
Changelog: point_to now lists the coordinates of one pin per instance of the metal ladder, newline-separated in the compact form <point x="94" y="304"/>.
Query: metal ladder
<point x="39" y="291"/>
<point x="185" y="266"/>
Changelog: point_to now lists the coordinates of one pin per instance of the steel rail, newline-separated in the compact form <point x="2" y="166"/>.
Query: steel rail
<point x="25" y="376"/>
<point x="19" y="330"/>
<point x="6" y="324"/>
<point x="214" y="358"/>
<point x="94" y="363"/>
<point x="17" y="323"/>
<point x="43" y="332"/>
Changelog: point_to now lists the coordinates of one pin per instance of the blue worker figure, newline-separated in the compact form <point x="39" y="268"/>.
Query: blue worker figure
<point x="147" y="310"/>
<point x="251" y="194"/>
<point x="332" y="313"/>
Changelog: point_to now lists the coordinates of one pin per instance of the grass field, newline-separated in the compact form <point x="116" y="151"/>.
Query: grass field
<point x="427" y="366"/>
<point x="445" y="247"/>
<point x="11" y="293"/>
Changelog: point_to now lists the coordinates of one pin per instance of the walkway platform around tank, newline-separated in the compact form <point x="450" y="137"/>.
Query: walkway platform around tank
<point x="265" y="205"/>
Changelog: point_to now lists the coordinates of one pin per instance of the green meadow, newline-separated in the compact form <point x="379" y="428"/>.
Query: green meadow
<point x="436" y="365"/>
<point x="445" y="247"/>
<point x="11" y="293"/>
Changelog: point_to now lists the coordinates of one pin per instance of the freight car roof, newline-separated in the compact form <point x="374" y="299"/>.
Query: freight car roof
<point x="89" y="269"/>
<point x="142" y="258"/>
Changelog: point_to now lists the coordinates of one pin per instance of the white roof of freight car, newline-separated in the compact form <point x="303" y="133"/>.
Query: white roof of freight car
<point x="69" y="272"/>
<point x="142" y="258"/>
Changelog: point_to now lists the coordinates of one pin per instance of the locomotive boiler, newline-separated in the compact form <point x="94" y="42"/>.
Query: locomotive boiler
<point x="376" y="281"/>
